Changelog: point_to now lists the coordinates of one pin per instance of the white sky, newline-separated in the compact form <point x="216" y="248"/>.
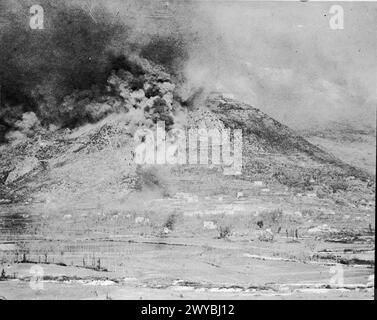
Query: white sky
<point x="285" y="59"/>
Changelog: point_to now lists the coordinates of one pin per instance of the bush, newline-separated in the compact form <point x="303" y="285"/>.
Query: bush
<point x="148" y="177"/>
<point x="171" y="221"/>
<point x="224" y="231"/>
<point x="272" y="217"/>
<point x="266" y="235"/>
<point x="338" y="186"/>
<point x="293" y="179"/>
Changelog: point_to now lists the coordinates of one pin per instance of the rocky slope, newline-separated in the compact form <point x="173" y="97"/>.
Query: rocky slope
<point x="93" y="164"/>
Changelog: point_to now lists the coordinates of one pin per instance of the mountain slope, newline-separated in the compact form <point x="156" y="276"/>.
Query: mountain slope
<point x="270" y="137"/>
<point x="93" y="164"/>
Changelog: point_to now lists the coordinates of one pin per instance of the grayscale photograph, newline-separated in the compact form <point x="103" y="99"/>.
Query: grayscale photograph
<point x="187" y="150"/>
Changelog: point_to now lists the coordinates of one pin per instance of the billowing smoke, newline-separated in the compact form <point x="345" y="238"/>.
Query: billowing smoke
<point x="284" y="58"/>
<point x="38" y="68"/>
<point x="281" y="58"/>
<point x="81" y="43"/>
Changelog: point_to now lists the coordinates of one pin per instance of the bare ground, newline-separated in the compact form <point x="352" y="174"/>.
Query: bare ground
<point x="97" y="254"/>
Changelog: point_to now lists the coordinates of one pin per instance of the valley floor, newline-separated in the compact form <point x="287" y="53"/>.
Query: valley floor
<point x="299" y="253"/>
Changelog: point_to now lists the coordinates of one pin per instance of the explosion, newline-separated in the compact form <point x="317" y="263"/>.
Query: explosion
<point x="82" y="66"/>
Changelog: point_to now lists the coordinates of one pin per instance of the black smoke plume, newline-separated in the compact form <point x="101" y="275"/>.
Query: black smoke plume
<point x="76" y="51"/>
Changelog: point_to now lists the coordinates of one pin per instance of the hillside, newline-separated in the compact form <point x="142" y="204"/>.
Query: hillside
<point x="94" y="163"/>
<point x="74" y="203"/>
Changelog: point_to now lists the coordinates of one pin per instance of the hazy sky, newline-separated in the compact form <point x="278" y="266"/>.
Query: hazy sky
<point x="281" y="57"/>
<point x="285" y="59"/>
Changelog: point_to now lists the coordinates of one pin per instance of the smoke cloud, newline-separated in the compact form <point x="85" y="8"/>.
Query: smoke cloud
<point x="286" y="60"/>
<point x="280" y="57"/>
